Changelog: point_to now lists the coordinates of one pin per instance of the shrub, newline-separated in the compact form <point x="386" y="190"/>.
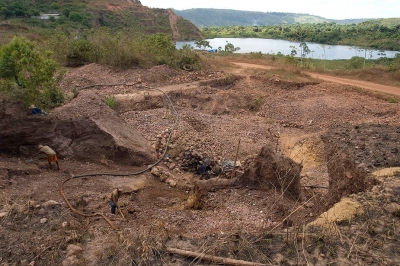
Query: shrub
<point x="111" y="101"/>
<point x="186" y="56"/>
<point x="356" y="62"/>
<point x="161" y="48"/>
<point x="256" y="103"/>
<point x="29" y="74"/>
<point x="256" y="55"/>
<point x="123" y="49"/>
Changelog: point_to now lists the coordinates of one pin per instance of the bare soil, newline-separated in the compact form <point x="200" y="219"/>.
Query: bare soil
<point x="336" y="135"/>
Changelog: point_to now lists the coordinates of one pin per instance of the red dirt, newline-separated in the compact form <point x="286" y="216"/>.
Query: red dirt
<point x="352" y="82"/>
<point x="241" y="222"/>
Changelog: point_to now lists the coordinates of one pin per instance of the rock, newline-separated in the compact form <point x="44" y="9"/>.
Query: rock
<point x="72" y="236"/>
<point x="73" y="250"/>
<point x="31" y="204"/>
<point x="156" y="171"/>
<point x="3" y="214"/>
<point x="43" y="220"/>
<point x="3" y="184"/>
<point x="64" y="224"/>
<point x="50" y="204"/>
<point x="392" y="208"/>
<point x="133" y="197"/>
<point x="42" y="211"/>
<point x="82" y="202"/>
<point x="279" y="258"/>
<point x="171" y="182"/>
<point x="71" y="261"/>
<point x="309" y="205"/>
<point x="131" y="210"/>
<point x="164" y="177"/>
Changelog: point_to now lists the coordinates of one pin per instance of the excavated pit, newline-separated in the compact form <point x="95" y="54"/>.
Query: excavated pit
<point x="213" y="118"/>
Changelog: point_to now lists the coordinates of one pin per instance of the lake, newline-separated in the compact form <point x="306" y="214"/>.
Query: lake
<point x="271" y="46"/>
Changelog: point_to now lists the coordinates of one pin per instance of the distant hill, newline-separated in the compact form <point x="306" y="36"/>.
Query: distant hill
<point x="77" y="15"/>
<point x="208" y="17"/>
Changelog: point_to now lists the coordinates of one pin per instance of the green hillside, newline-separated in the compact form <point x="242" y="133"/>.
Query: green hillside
<point x="37" y="16"/>
<point x="207" y="17"/>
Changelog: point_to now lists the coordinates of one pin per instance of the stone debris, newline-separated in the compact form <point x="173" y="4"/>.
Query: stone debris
<point x="51" y="204"/>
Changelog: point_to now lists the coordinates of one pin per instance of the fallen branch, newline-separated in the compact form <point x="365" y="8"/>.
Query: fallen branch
<point x="316" y="187"/>
<point x="225" y="261"/>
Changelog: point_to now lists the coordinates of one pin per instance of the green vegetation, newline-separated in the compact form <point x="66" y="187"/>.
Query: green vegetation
<point x="28" y="74"/>
<point x="203" y="43"/>
<point x="230" y="48"/>
<point x="73" y="16"/>
<point x="207" y="17"/>
<point x="382" y="34"/>
<point x="73" y="13"/>
<point x="29" y="70"/>
<point x="256" y="103"/>
<point x="129" y="49"/>
<point x="111" y="101"/>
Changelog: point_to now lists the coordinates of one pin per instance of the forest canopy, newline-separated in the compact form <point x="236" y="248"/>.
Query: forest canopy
<point x="381" y="34"/>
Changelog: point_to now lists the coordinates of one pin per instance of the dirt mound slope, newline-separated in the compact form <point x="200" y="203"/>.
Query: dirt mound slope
<point x="84" y="129"/>
<point x="354" y="150"/>
<point x="274" y="172"/>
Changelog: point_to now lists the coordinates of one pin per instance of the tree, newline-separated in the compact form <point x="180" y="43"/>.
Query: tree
<point x="203" y="43"/>
<point x="304" y="51"/>
<point x="293" y="52"/>
<point x="324" y="47"/>
<point x="229" y="47"/>
<point x="28" y="74"/>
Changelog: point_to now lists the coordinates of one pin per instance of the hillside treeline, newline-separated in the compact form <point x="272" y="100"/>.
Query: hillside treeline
<point x="73" y="15"/>
<point x="380" y="34"/>
<point x="208" y="17"/>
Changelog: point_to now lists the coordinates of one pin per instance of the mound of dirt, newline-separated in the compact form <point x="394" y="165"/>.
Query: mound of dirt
<point x="275" y="172"/>
<point x="85" y="126"/>
<point x="352" y="151"/>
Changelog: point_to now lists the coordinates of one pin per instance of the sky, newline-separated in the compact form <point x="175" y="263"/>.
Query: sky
<point x="330" y="9"/>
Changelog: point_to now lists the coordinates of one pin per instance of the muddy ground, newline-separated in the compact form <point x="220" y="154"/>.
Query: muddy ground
<point x="337" y="135"/>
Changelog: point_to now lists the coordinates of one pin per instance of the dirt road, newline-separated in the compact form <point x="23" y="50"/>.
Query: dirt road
<point x="352" y="82"/>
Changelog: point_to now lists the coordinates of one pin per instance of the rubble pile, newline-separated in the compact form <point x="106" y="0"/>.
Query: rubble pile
<point x="188" y="159"/>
